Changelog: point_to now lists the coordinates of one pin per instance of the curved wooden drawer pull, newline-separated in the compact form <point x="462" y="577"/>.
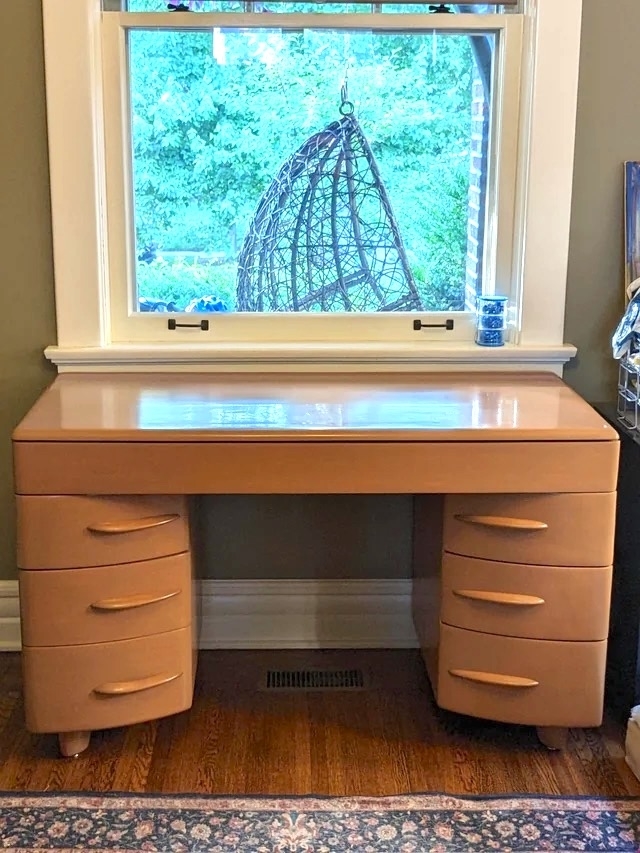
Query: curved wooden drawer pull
<point x="493" y="678"/>
<point x="124" y="688"/>
<point x="503" y="522"/>
<point x="512" y="598"/>
<point x="130" y="525"/>
<point x="130" y="602"/>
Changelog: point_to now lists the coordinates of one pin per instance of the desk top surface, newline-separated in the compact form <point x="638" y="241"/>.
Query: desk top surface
<point x="304" y="407"/>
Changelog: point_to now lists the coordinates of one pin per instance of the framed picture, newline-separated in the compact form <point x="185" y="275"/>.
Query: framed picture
<point x="632" y="221"/>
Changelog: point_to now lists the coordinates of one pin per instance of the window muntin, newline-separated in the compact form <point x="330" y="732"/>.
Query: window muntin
<point x="303" y="6"/>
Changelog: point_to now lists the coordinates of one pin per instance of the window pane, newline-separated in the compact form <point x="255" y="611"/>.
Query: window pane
<point x="459" y="8"/>
<point x="234" y="6"/>
<point x="304" y="6"/>
<point x="257" y="189"/>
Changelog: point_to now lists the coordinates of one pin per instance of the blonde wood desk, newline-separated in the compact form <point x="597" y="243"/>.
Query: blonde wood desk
<point x="514" y="480"/>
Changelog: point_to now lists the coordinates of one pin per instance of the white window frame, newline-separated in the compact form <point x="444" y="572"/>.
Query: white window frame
<point x="543" y="183"/>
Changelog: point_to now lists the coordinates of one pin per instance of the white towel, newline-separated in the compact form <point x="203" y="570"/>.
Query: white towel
<point x="632" y="741"/>
<point x="631" y="288"/>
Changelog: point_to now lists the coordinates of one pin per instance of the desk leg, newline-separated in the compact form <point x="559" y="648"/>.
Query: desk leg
<point x="553" y="737"/>
<point x="73" y="743"/>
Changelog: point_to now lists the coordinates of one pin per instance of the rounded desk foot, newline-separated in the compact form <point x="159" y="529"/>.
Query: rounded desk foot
<point x="553" y="737"/>
<point x="73" y="743"/>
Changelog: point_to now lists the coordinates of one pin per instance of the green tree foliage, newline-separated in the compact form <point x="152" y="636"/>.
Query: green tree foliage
<point x="214" y="116"/>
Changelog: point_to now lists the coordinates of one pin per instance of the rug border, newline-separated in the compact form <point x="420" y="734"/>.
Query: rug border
<point x="429" y="801"/>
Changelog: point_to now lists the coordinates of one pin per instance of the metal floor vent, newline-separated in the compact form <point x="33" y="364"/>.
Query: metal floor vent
<point x="314" y="679"/>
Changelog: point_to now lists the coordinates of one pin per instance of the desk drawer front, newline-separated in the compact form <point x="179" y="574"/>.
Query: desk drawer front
<point x="318" y="466"/>
<point x="63" y="607"/>
<point x="98" y="686"/>
<point x="549" y="530"/>
<point x="80" y="532"/>
<point x="534" y="682"/>
<point x="514" y="600"/>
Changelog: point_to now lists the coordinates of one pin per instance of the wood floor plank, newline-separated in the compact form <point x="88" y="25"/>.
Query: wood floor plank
<point x="181" y="767"/>
<point x="545" y="772"/>
<point x="20" y="752"/>
<point x="612" y="733"/>
<point x="342" y="743"/>
<point x="596" y="762"/>
<point x="238" y="738"/>
<point x="160" y="760"/>
<point x="279" y="746"/>
<point x="134" y="759"/>
<point x="382" y="717"/>
<point x="207" y="720"/>
<point x="228" y="773"/>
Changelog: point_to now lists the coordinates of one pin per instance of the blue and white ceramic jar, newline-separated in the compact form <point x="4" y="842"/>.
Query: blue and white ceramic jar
<point x="491" y="320"/>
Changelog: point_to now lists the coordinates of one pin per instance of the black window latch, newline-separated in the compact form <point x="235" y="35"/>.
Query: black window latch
<point x="448" y="325"/>
<point x="172" y="325"/>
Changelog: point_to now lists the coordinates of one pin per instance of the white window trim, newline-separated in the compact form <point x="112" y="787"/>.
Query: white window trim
<point x="76" y="151"/>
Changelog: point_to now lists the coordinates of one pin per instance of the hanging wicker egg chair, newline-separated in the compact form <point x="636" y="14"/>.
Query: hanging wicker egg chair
<point x="324" y="237"/>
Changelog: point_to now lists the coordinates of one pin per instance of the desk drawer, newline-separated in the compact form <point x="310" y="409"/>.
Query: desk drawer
<point x="71" y="688"/>
<point x="535" y="682"/>
<point x="65" y="607"/>
<point x="514" y="600"/>
<point x="547" y="530"/>
<point x="80" y="532"/>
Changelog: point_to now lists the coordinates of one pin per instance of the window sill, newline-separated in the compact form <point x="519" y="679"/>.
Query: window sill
<point x="307" y="357"/>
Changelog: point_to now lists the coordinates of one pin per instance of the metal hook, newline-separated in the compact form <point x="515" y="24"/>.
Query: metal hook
<point x="346" y="106"/>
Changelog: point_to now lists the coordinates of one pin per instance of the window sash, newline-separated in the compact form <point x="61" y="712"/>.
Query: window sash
<point x="128" y="326"/>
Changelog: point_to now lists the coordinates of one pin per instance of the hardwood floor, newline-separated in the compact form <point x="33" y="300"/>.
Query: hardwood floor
<point x="239" y="738"/>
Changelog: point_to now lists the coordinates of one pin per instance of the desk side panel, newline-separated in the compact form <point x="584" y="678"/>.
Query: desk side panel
<point x="120" y="468"/>
<point x="426" y="593"/>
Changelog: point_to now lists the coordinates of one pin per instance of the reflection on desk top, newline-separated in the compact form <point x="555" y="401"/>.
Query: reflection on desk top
<point x="320" y="407"/>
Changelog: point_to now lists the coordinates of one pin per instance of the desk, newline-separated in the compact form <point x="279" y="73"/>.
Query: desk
<point x="514" y="480"/>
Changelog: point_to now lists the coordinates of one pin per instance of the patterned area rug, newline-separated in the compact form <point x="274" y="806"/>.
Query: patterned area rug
<point x="432" y="823"/>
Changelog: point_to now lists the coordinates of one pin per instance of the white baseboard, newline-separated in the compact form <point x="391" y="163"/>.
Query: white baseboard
<point x="9" y="617"/>
<point x="281" y="614"/>
<point x="632" y="742"/>
<point x="306" y="614"/>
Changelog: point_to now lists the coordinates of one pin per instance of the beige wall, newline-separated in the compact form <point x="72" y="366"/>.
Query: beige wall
<point x="311" y="536"/>
<point x="26" y="277"/>
<point x="376" y="542"/>
<point x="608" y="133"/>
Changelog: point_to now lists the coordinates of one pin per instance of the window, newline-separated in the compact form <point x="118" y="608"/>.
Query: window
<point x="263" y="182"/>
<point x="302" y="174"/>
<point x="269" y="167"/>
